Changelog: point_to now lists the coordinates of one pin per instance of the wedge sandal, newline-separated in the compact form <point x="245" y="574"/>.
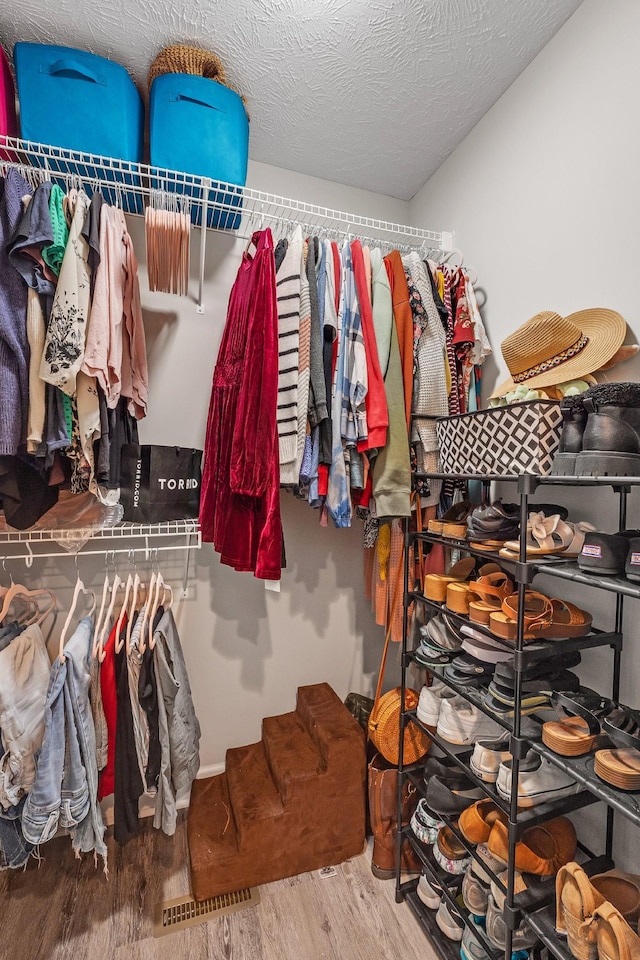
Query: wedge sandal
<point x="544" y="619"/>
<point x="455" y="519"/>
<point x="581" y="731"/>
<point x="619" y="768"/>
<point x="435" y="584"/>
<point x="487" y="594"/>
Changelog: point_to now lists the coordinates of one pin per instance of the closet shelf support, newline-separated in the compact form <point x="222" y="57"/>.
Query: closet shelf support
<point x="206" y="186"/>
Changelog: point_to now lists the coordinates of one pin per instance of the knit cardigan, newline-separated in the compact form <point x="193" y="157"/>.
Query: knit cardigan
<point x="14" y="348"/>
<point x="288" y="300"/>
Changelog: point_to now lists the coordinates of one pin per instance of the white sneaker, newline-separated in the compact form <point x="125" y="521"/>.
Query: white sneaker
<point x="462" y="722"/>
<point x="450" y="922"/>
<point x="429" y="893"/>
<point x="488" y="755"/>
<point x="538" y="782"/>
<point x="431" y="700"/>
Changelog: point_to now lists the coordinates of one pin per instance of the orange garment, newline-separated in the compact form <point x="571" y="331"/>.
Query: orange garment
<point x="404" y="325"/>
<point x="376" y="399"/>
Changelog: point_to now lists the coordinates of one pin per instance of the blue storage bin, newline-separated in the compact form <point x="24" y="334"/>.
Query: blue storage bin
<point x="79" y="101"/>
<point x="200" y="127"/>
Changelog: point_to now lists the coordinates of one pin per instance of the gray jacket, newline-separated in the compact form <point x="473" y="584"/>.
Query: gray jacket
<point x="178" y="724"/>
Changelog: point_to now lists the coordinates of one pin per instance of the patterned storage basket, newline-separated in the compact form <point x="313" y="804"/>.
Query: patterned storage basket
<point x="519" y="438"/>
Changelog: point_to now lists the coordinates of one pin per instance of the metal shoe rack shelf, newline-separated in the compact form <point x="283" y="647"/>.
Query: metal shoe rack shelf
<point x="540" y="915"/>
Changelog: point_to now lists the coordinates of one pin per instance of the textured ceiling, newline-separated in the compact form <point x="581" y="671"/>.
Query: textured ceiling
<point x="370" y="93"/>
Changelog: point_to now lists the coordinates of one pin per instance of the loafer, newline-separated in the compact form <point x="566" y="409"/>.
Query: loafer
<point x="487" y="756"/>
<point x="463" y="723"/>
<point x="477" y="820"/>
<point x="539" y="782"/>
<point x="494" y="521"/>
<point x="542" y="849"/>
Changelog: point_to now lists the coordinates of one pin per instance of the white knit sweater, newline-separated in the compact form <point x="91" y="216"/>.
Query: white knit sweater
<point x="288" y="298"/>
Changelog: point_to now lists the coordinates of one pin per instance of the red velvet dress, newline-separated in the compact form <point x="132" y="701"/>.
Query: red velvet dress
<point x="240" y="498"/>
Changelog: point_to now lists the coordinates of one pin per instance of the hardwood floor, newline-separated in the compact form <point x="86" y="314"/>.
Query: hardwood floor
<point x="65" y="909"/>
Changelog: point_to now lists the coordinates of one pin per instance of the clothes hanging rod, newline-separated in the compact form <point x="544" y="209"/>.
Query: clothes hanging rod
<point x="167" y="528"/>
<point x="149" y="552"/>
<point x="230" y="209"/>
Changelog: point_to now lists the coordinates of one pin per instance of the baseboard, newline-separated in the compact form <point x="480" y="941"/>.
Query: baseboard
<point x="147" y="808"/>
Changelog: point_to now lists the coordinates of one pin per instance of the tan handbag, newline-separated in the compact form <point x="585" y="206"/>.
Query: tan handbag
<point x="384" y="720"/>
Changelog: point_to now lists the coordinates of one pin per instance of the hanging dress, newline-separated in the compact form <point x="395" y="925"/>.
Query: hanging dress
<point x="240" y="502"/>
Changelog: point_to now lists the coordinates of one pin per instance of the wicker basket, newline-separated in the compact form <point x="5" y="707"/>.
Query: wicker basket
<point x="384" y="728"/>
<point x="180" y="58"/>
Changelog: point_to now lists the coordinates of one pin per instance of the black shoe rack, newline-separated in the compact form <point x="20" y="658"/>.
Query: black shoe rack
<point x="540" y="915"/>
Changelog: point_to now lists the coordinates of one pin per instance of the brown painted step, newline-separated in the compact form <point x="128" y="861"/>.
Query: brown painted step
<point x="293" y="757"/>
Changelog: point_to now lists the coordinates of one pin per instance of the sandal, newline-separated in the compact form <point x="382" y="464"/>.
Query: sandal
<point x="453" y="523"/>
<point x="619" y="768"/>
<point x="581" y="731"/>
<point x="435" y="584"/>
<point x="487" y="594"/>
<point x="550" y="535"/>
<point x="544" y="619"/>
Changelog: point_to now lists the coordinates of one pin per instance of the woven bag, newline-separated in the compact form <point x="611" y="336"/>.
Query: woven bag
<point x="384" y="719"/>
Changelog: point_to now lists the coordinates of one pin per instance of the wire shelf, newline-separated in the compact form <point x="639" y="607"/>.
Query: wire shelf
<point x="119" y="538"/>
<point x="221" y="206"/>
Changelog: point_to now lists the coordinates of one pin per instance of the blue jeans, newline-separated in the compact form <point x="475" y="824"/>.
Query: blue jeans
<point x="66" y="783"/>
<point x="14" y="849"/>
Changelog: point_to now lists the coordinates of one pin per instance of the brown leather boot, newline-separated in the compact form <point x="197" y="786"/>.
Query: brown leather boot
<point x="383" y="815"/>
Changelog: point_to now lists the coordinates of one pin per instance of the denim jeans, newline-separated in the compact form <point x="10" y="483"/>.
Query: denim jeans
<point x="14" y="849"/>
<point x="24" y="677"/>
<point x="66" y="783"/>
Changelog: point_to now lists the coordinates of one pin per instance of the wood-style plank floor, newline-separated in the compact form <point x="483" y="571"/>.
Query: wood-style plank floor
<point x="64" y="909"/>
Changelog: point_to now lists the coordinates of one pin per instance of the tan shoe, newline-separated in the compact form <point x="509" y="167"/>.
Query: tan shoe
<point x="614" y="937"/>
<point x="579" y="896"/>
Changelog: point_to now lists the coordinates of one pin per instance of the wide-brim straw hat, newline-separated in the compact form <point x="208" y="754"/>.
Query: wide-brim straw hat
<point x="550" y="349"/>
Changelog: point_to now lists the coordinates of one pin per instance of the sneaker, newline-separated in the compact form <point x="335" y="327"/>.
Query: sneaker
<point x="485" y="856"/>
<point x="522" y="939"/>
<point x="475" y="893"/>
<point x="539" y="781"/>
<point x="431" y="700"/>
<point x="423" y="823"/>
<point x="463" y="723"/>
<point x="471" y="947"/>
<point x="429" y="892"/>
<point x="488" y="755"/>
<point x="450" y="921"/>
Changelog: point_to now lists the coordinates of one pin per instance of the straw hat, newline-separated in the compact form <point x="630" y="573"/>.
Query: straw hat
<point x="550" y="349"/>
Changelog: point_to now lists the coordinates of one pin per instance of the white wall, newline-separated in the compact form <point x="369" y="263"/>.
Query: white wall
<point x="247" y="649"/>
<point x="544" y="197"/>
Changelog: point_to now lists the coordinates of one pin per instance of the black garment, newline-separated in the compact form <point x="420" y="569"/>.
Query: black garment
<point x="280" y="252"/>
<point x="123" y="428"/>
<point x="148" y="697"/>
<point x="437" y="299"/>
<point x="318" y="410"/>
<point x="91" y="233"/>
<point x="128" y="782"/>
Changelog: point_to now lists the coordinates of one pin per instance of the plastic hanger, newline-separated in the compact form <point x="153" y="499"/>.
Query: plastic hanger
<point x="128" y="587"/>
<point x="115" y="587"/>
<point x="103" y="604"/>
<point x="77" y="590"/>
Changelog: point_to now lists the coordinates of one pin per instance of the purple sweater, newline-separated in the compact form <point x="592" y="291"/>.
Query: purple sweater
<point x="14" y="348"/>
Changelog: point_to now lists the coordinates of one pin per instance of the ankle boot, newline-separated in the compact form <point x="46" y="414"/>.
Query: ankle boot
<point x="574" y="419"/>
<point x="383" y="815"/>
<point x="611" y="439"/>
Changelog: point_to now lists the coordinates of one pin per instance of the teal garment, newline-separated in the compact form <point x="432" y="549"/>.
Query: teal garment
<point x="53" y="254"/>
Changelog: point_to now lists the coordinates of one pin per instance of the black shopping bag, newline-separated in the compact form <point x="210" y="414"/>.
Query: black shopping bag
<point x="160" y="483"/>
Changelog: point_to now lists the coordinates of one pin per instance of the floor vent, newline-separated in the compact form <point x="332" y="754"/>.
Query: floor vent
<point x="172" y="915"/>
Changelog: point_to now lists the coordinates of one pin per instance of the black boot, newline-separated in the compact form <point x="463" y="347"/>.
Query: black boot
<point x="574" y="418"/>
<point x="611" y="439"/>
